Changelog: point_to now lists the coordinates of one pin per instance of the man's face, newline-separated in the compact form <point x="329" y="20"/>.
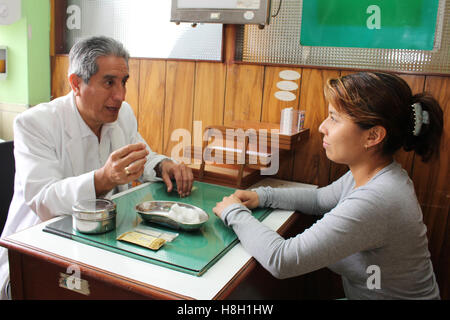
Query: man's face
<point x="100" y="100"/>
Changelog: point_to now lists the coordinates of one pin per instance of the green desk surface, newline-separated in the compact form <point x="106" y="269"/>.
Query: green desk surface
<point x="191" y="252"/>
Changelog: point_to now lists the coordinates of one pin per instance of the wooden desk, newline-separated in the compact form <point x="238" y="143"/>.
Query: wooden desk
<point x="37" y="260"/>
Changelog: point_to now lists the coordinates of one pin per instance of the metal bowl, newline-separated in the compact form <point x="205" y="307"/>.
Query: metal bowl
<point x="94" y="216"/>
<point x="158" y="212"/>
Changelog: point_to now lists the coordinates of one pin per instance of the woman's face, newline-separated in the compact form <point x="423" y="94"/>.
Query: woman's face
<point x="343" y="140"/>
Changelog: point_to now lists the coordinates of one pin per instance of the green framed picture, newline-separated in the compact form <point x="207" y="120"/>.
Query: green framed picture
<point x="387" y="24"/>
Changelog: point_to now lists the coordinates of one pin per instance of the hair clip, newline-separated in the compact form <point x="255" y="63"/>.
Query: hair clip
<point x="420" y="117"/>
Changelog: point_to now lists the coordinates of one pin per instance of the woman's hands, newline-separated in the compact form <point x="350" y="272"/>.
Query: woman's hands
<point x="247" y="198"/>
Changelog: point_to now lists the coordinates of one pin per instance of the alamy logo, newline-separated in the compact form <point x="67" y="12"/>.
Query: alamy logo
<point x="374" y="279"/>
<point x="73" y="282"/>
<point x="262" y="146"/>
<point x="374" y="20"/>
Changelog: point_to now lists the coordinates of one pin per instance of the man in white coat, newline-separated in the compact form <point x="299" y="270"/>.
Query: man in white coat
<point x="82" y="146"/>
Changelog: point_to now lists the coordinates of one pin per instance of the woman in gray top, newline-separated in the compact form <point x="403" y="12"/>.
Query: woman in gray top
<point x="371" y="232"/>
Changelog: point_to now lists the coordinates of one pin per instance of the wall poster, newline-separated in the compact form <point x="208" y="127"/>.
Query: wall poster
<point x="387" y="24"/>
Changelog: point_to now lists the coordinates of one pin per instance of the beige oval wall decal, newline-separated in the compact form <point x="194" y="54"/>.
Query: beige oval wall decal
<point x="287" y="85"/>
<point x="289" y="75"/>
<point x="284" y="95"/>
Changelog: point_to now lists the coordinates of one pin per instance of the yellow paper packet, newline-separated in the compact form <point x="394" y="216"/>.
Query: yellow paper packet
<point x="143" y="240"/>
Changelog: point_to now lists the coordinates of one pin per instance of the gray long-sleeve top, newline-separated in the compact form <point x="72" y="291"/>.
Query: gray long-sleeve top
<point x="375" y="229"/>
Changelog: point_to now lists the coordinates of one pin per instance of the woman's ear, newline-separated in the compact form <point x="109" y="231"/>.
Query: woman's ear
<point x="75" y="82"/>
<point x="376" y="136"/>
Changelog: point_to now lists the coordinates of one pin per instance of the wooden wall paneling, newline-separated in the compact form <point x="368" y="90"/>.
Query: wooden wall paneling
<point x="60" y="81"/>
<point x="209" y="93"/>
<point x="243" y="96"/>
<point x="311" y="164"/>
<point x="271" y="107"/>
<point x="132" y="96"/>
<point x="152" y="83"/>
<point x="406" y="159"/>
<point x="229" y="43"/>
<point x="179" y="104"/>
<point x="431" y="180"/>
<point x="243" y="93"/>
<point x="57" y="27"/>
<point x="271" y="110"/>
<point x="209" y="98"/>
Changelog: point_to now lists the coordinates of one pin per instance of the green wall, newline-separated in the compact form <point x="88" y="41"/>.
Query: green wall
<point x="28" y="42"/>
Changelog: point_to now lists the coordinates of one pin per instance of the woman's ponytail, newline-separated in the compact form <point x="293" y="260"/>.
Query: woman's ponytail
<point x="427" y="128"/>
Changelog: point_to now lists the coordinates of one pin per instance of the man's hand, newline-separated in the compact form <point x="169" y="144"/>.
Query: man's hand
<point x="182" y="175"/>
<point x="123" y="166"/>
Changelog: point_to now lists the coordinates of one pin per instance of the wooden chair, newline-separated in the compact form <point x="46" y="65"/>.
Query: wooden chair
<point x="248" y="158"/>
<point x="240" y="155"/>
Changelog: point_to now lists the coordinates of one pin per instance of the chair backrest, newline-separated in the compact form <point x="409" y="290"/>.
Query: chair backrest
<point x="7" y="171"/>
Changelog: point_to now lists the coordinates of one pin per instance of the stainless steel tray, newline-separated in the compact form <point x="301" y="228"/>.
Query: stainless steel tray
<point x="157" y="212"/>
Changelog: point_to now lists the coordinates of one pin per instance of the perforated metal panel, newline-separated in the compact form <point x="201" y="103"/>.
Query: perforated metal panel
<point x="279" y="43"/>
<point x="145" y="29"/>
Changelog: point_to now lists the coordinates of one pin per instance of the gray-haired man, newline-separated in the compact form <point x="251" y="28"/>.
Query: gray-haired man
<point x="83" y="145"/>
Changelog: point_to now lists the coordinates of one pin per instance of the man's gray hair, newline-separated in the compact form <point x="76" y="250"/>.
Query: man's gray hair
<point x="83" y="55"/>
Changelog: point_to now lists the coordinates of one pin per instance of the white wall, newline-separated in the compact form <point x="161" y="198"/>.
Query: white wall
<point x="7" y="114"/>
